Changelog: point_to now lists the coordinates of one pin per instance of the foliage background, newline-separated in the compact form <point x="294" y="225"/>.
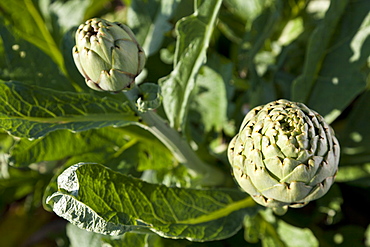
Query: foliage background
<point x="315" y="52"/>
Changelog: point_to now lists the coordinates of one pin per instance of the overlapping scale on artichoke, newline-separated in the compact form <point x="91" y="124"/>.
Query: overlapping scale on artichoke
<point x="285" y="155"/>
<point x="108" y="55"/>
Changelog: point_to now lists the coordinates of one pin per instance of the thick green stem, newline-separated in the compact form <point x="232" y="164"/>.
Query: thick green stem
<point x="180" y="148"/>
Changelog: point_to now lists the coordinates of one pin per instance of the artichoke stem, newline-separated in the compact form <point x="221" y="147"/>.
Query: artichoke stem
<point x="180" y="148"/>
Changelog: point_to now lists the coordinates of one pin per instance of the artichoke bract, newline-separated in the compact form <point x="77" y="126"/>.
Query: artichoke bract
<point x="284" y="155"/>
<point x="108" y="55"/>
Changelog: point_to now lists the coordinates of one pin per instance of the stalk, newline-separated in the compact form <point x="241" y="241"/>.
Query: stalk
<point x="180" y="148"/>
<point x="98" y="41"/>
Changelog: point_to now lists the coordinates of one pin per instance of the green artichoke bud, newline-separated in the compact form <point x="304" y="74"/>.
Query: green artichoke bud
<point x="108" y="55"/>
<point x="285" y="155"/>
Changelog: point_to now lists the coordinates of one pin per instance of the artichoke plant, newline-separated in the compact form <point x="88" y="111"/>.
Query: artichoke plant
<point x="108" y="55"/>
<point x="285" y="155"/>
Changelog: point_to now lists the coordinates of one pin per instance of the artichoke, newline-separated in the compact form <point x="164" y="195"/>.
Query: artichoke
<point x="108" y="55"/>
<point x="285" y="155"/>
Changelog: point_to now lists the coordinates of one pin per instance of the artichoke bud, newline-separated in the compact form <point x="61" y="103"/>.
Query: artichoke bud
<point x="107" y="55"/>
<point x="285" y="155"/>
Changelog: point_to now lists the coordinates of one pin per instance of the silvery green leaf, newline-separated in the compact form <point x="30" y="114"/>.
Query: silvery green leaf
<point x="132" y="204"/>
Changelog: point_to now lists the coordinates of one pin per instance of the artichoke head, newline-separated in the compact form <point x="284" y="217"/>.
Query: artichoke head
<point x="285" y="155"/>
<point x="108" y="55"/>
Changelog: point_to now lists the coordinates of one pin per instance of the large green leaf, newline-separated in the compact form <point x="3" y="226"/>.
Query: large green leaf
<point x="128" y="150"/>
<point x="131" y="204"/>
<point x="211" y="100"/>
<point x="119" y="146"/>
<point x="63" y="143"/>
<point x="150" y="21"/>
<point x="193" y="38"/>
<point x="208" y="110"/>
<point x="336" y="56"/>
<point x="32" y="112"/>
<point x="25" y="17"/>
<point x="318" y="43"/>
<point x="20" y="63"/>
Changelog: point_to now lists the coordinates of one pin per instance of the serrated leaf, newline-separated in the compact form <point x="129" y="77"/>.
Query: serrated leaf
<point x="193" y="37"/>
<point x="32" y="112"/>
<point x="131" y="204"/>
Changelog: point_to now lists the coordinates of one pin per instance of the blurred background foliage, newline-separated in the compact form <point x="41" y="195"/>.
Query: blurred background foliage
<point x="315" y="52"/>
